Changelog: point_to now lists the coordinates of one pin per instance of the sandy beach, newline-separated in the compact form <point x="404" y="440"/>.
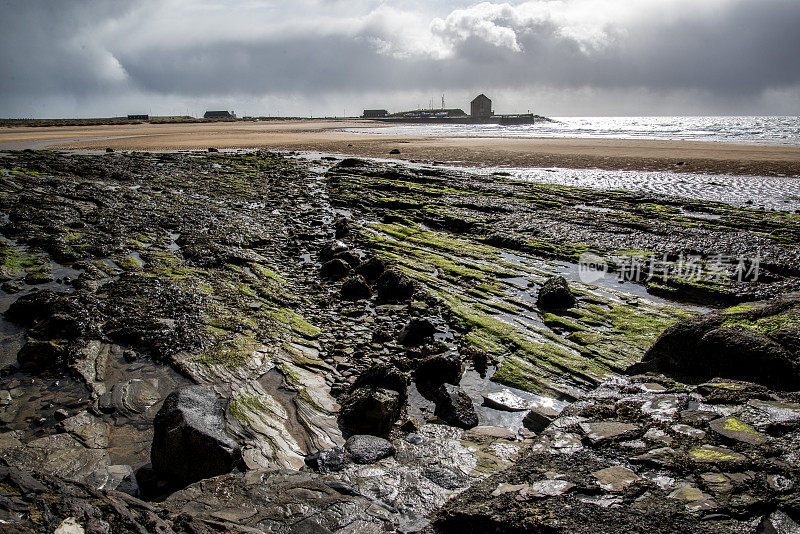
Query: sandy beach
<point x="329" y="136"/>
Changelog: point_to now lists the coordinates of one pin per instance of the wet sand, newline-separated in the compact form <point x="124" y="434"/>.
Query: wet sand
<point x="327" y="136"/>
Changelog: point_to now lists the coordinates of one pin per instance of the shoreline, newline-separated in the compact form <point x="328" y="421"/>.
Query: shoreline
<point x="327" y="136"/>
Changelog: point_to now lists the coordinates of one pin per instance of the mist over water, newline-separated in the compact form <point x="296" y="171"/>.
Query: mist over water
<point x="744" y="130"/>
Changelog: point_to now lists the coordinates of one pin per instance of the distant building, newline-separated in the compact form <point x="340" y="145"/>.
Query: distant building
<point x="481" y="106"/>
<point x="375" y="113"/>
<point x="219" y="115"/>
<point x="138" y="117"/>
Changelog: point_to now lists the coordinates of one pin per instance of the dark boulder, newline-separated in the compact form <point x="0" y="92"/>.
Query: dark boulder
<point x="416" y="332"/>
<point x="350" y="257"/>
<point x="394" y="286"/>
<point x="435" y="370"/>
<point x="755" y="342"/>
<point x="555" y="294"/>
<point x="455" y="408"/>
<point x="370" y="410"/>
<point x="341" y="227"/>
<point x="327" y="461"/>
<point x="52" y="315"/>
<point x="330" y="250"/>
<point x="335" y="269"/>
<point x="356" y="288"/>
<point x="372" y="268"/>
<point x="190" y="441"/>
<point x="385" y="376"/>
<point x="365" y="449"/>
<point x="350" y="163"/>
<point x="37" y="356"/>
<point x="374" y="401"/>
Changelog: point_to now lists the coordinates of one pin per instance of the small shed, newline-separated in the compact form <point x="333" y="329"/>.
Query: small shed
<point x="219" y="115"/>
<point x="375" y="113"/>
<point x="481" y="106"/>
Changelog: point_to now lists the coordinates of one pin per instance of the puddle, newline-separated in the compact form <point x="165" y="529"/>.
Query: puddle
<point x="173" y="241"/>
<point x="475" y="386"/>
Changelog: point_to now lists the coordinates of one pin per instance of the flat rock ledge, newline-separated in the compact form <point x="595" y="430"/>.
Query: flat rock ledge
<point x="649" y="454"/>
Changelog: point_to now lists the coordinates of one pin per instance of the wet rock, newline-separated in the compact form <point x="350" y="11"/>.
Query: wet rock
<point x="394" y="151"/>
<point x="370" y="410"/>
<point x="365" y="449"/>
<point x="335" y="269"/>
<point x="351" y="258"/>
<point x="455" y="407"/>
<point x="190" y="440"/>
<point x="555" y="294"/>
<point x="778" y="413"/>
<point x="662" y="456"/>
<point x="416" y="332"/>
<point x="385" y="376"/>
<point x="356" y="288"/>
<point x="71" y="525"/>
<point x="717" y="455"/>
<point x="330" y="250"/>
<point x="539" y="418"/>
<point x="327" y="461"/>
<point x="544" y="488"/>
<point x="394" y="286"/>
<point x="779" y="522"/>
<point x="88" y="429"/>
<point x="733" y="428"/>
<point x="688" y="431"/>
<point x="52" y="315"/>
<point x="446" y="478"/>
<point x="350" y="163"/>
<point x="372" y="268"/>
<point x="601" y="431"/>
<point x="738" y="343"/>
<point x="60" y="455"/>
<point x="38" y="278"/>
<point x="341" y="227"/>
<point x="37" y="356"/>
<point x="615" y="479"/>
<point x="693" y="497"/>
<point x="115" y="477"/>
<point x="70" y="506"/>
<point x="438" y="369"/>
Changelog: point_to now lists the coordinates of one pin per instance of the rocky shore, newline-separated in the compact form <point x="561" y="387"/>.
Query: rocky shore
<point x="259" y="342"/>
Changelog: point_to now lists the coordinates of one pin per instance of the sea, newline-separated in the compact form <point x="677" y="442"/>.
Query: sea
<point x="780" y="193"/>
<point x="783" y="130"/>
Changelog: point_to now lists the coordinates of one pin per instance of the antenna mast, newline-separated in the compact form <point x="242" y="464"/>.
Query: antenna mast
<point x="442" y="100"/>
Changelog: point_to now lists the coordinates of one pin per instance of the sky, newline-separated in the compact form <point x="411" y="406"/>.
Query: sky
<point x="98" y="58"/>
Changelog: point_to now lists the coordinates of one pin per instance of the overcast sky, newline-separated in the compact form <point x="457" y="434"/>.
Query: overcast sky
<point x="329" y="57"/>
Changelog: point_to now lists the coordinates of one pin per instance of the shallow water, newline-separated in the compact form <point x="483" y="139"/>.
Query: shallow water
<point x="742" y="130"/>
<point x="781" y="193"/>
<point x="768" y="192"/>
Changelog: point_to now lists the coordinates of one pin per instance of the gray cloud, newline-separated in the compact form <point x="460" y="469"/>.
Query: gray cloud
<point x="100" y="54"/>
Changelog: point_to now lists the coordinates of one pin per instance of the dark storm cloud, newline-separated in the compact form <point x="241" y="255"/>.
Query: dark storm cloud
<point x="317" y="48"/>
<point x="45" y="47"/>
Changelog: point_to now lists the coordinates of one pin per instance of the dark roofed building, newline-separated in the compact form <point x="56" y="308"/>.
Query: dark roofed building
<point x="481" y="106"/>
<point x="375" y="113"/>
<point x="138" y="117"/>
<point x="219" y="115"/>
